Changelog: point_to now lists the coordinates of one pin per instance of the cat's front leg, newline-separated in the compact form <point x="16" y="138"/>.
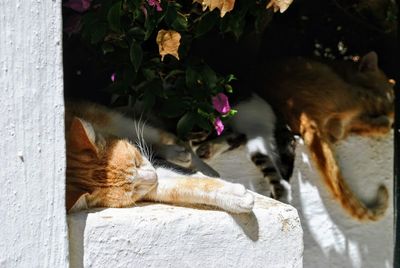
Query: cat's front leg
<point x="178" y="189"/>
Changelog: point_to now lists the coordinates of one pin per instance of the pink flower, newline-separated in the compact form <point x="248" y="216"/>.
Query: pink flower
<point x="113" y="77"/>
<point x="221" y="103"/>
<point x="219" y="126"/>
<point x="155" y="3"/>
<point x="78" y="5"/>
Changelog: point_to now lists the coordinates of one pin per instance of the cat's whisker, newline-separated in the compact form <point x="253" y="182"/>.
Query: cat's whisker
<point x="140" y="142"/>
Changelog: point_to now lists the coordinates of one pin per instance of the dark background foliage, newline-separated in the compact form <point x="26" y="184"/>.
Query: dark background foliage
<point x="117" y="37"/>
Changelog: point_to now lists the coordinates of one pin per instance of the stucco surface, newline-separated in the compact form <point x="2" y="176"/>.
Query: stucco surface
<point x="331" y="238"/>
<point x="33" y="224"/>
<point x="159" y="235"/>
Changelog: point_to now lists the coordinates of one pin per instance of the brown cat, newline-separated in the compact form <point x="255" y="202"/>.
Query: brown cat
<point x="104" y="169"/>
<point x="325" y="102"/>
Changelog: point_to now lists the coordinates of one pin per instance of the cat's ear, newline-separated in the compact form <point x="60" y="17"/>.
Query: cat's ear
<point x="82" y="136"/>
<point x="369" y="62"/>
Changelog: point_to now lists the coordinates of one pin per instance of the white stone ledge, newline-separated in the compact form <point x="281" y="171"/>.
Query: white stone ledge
<point x="331" y="238"/>
<point x="159" y="235"/>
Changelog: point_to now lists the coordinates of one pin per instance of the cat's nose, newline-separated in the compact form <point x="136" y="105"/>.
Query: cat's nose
<point x="147" y="176"/>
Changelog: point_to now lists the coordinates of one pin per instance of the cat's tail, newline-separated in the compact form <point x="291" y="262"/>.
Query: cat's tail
<point x="323" y="156"/>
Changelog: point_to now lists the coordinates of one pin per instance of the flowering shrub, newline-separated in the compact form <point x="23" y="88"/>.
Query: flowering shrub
<point x="147" y="47"/>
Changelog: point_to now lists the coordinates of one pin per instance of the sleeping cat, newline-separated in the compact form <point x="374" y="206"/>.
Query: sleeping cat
<point x="105" y="169"/>
<point x="326" y="101"/>
<point x="323" y="102"/>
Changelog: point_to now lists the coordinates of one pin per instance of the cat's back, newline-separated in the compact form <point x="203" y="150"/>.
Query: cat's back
<point x="97" y="115"/>
<point x="301" y="78"/>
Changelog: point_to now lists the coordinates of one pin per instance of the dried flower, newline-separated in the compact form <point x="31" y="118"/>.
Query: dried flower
<point x="168" y="43"/>
<point x="78" y="5"/>
<point x="218" y="125"/>
<point x="279" y="5"/>
<point x="221" y="103"/>
<point x="223" y="5"/>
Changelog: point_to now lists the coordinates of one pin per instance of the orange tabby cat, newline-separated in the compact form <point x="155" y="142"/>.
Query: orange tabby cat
<point x="104" y="169"/>
<point x="324" y="102"/>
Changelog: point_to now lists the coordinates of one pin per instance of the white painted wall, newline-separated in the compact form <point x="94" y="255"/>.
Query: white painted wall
<point x="33" y="229"/>
<point x="159" y="235"/>
<point x="331" y="239"/>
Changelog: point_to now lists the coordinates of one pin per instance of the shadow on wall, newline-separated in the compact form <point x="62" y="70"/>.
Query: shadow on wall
<point x="331" y="238"/>
<point x="76" y="246"/>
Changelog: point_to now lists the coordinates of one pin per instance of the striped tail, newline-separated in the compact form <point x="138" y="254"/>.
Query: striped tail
<point x="322" y="154"/>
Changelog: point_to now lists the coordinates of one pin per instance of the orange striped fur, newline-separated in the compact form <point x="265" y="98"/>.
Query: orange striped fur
<point x="325" y="102"/>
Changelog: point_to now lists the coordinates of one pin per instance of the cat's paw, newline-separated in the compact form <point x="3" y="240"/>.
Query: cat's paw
<point x="208" y="150"/>
<point x="205" y="150"/>
<point x="176" y="154"/>
<point x="235" y="198"/>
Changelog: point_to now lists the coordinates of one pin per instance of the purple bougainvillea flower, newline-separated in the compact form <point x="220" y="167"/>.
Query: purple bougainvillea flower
<point x="219" y="126"/>
<point x="156" y="4"/>
<point x="113" y="77"/>
<point x="78" y="5"/>
<point x="73" y="24"/>
<point x="221" y="103"/>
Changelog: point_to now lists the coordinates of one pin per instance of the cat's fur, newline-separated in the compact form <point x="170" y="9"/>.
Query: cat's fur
<point x="326" y="101"/>
<point x="105" y="169"/>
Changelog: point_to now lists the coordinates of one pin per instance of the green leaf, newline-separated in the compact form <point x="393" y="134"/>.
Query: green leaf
<point x="149" y="99"/>
<point x="203" y="122"/>
<point x="98" y="33"/>
<point x="192" y="77"/>
<point x="185" y="124"/>
<point x="149" y="25"/>
<point x="173" y="107"/>
<point x="154" y="86"/>
<point x="180" y="23"/>
<point x="205" y="107"/>
<point x="205" y="24"/>
<point x="136" y="55"/>
<point x="149" y="74"/>
<point x="114" y="17"/>
<point x="209" y="76"/>
<point x="170" y="15"/>
<point x="230" y="78"/>
<point x="137" y="3"/>
<point x="174" y="73"/>
<point x="137" y="33"/>
<point x="228" y="88"/>
<point x="232" y="112"/>
<point x="107" y="48"/>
